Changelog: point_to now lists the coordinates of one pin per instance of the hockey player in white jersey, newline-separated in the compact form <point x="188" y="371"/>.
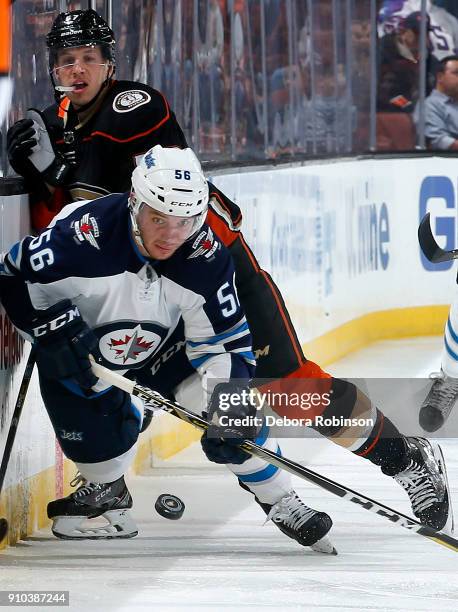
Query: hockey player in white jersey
<point x="128" y="278"/>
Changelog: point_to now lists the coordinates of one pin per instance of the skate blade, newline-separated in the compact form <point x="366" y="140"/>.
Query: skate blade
<point x="449" y="526"/>
<point x="324" y="546"/>
<point x="118" y="524"/>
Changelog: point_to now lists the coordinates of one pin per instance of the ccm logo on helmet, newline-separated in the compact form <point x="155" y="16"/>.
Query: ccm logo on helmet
<point x="57" y="323"/>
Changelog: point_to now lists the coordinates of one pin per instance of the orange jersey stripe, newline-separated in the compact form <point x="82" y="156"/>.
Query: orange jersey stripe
<point x="220" y="228"/>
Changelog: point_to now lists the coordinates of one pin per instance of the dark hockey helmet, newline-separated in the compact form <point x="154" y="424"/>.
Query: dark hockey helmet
<point x="79" y="29"/>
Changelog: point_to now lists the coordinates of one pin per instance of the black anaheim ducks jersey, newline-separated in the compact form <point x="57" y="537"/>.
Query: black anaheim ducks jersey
<point x="102" y="142"/>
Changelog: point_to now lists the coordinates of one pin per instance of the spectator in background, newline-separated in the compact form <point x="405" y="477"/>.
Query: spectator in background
<point x="360" y="80"/>
<point x="172" y="61"/>
<point x="400" y="65"/>
<point x="443" y="33"/>
<point x="361" y="41"/>
<point x="334" y="117"/>
<point x="125" y="19"/>
<point x="441" y="107"/>
<point x="212" y="71"/>
<point x="243" y="97"/>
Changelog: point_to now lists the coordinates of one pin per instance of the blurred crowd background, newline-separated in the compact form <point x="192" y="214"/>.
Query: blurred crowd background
<point x="266" y="79"/>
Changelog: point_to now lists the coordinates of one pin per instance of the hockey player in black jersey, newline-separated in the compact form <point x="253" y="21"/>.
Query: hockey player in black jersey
<point x="89" y="139"/>
<point x="129" y="278"/>
<point x="275" y="342"/>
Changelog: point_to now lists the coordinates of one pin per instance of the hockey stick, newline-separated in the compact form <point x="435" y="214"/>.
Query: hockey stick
<point x="429" y="246"/>
<point x="155" y="399"/>
<point x="13" y="429"/>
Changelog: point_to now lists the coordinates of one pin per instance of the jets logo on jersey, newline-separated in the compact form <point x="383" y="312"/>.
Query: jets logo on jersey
<point x="87" y="229"/>
<point x="126" y="101"/>
<point x="128" y="344"/>
<point x="205" y="244"/>
<point x="130" y="347"/>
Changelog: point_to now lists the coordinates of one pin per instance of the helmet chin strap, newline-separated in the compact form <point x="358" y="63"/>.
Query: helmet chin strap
<point x="135" y="229"/>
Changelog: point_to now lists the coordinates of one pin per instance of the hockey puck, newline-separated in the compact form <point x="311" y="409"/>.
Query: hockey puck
<point x="3" y="529"/>
<point x="169" y="506"/>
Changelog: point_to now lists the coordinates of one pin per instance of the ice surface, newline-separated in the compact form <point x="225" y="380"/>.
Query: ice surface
<point x="219" y="556"/>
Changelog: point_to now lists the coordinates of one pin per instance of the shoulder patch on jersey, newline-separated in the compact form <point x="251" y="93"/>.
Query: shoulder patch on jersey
<point x="87" y="229"/>
<point x="205" y="244"/>
<point x="126" y="101"/>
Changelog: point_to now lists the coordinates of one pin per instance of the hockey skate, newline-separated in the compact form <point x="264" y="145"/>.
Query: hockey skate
<point x="439" y="402"/>
<point x="299" y="522"/>
<point x="91" y="500"/>
<point x="425" y="482"/>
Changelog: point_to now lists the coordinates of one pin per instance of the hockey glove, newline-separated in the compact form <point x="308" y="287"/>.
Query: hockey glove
<point x="64" y="342"/>
<point x="21" y="139"/>
<point x="49" y="164"/>
<point x="232" y="418"/>
<point x="31" y="153"/>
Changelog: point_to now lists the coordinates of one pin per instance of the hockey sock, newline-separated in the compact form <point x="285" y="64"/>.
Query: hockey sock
<point x="385" y="446"/>
<point x="267" y="482"/>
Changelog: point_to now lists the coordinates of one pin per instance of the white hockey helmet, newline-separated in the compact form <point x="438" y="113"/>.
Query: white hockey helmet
<point x="171" y="181"/>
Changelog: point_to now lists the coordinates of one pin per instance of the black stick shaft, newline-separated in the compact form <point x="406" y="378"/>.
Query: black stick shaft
<point x="16" y="416"/>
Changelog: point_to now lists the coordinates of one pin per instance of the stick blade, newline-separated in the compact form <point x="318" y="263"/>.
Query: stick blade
<point x="428" y="244"/>
<point x="3" y="529"/>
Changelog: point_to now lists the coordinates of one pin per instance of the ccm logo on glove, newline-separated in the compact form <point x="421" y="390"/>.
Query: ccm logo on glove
<point x="57" y="323"/>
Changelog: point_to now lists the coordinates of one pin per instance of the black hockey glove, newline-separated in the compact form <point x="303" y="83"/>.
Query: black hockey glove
<point x="64" y="342"/>
<point x="21" y="139"/>
<point x="30" y="150"/>
<point x="232" y="418"/>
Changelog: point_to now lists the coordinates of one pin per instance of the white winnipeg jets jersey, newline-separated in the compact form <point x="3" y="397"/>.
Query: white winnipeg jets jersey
<point x="133" y="304"/>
